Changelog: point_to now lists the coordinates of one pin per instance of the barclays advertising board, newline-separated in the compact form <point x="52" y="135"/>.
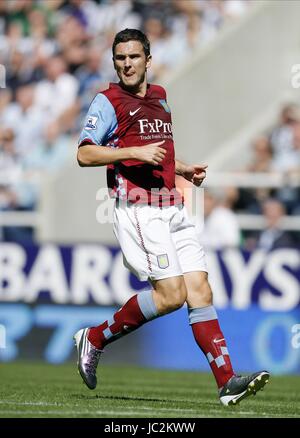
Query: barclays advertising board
<point x="48" y="292"/>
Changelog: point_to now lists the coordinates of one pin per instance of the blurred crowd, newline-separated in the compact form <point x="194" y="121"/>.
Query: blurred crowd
<point x="275" y="152"/>
<point x="57" y="56"/>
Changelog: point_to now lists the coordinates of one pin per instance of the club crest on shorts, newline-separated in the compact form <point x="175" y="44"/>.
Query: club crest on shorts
<point x="91" y="123"/>
<point x="163" y="261"/>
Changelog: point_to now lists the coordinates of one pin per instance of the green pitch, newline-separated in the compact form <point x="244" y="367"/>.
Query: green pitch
<point x="40" y="390"/>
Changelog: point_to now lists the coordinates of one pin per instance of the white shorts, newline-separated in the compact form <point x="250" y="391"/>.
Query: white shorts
<point x="157" y="242"/>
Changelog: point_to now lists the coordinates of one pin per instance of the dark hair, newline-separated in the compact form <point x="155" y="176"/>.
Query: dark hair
<point x="132" y="34"/>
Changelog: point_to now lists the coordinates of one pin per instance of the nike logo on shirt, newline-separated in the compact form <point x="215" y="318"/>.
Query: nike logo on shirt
<point x="218" y="340"/>
<point x="132" y="113"/>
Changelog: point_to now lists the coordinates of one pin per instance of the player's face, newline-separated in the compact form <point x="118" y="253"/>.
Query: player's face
<point x="131" y="64"/>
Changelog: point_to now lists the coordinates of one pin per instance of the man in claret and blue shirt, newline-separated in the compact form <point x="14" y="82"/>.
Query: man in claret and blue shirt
<point x="128" y="128"/>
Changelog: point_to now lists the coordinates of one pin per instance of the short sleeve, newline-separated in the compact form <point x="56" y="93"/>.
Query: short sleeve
<point x="100" y="122"/>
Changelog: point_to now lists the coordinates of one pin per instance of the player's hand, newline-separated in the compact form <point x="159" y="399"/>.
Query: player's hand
<point x="195" y="173"/>
<point x="151" y="153"/>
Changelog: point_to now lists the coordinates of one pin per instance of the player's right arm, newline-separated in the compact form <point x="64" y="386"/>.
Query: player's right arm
<point x="100" y="126"/>
<point x="93" y="155"/>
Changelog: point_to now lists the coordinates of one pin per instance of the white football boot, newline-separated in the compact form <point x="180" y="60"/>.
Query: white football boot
<point x="88" y="358"/>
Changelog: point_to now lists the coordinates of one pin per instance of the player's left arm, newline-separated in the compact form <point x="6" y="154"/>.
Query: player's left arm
<point x="195" y="173"/>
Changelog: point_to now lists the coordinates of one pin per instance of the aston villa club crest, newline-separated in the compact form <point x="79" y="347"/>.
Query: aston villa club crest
<point x="165" y="105"/>
<point x="163" y="261"/>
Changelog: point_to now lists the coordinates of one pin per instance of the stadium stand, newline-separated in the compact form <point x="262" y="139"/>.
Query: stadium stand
<point x="57" y="56"/>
